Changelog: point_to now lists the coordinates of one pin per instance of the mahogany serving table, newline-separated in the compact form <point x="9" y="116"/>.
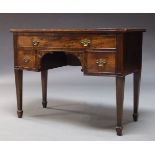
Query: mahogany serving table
<point x="100" y="52"/>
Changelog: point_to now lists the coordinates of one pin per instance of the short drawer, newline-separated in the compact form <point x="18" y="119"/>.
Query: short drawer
<point x="25" y="59"/>
<point x="97" y="62"/>
<point x="68" y="41"/>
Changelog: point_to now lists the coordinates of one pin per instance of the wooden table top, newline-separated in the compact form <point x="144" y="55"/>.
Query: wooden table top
<point x="80" y="30"/>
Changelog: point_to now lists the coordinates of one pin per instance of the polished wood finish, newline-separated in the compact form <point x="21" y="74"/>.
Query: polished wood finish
<point x="94" y="67"/>
<point x="137" y="79"/>
<point x="120" y="81"/>
<point x="19" y="91"/>
<point x="110" y="52"/>
<point x="26" y="59"/>
<point x="79" y="30"/>
<point x="67" y="41"/>
<point x="44" y="74"/>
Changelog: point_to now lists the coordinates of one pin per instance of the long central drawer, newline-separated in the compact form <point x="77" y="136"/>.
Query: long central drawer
<point x="67" y="41"/>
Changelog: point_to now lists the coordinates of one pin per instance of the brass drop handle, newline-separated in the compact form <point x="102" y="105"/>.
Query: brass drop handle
<point x="85" y="42"/>
<point x="26" y="60"/>
<point x="35" y="43"/>
<point x="101" y="62"/>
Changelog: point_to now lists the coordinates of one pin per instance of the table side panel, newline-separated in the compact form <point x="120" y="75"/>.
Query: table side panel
<point x="132" y="52"/>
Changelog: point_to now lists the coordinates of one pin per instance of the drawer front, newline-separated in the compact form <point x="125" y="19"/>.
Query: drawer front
<point x="98" y="62"/>
<point x="68" y="41"/>
<point x="25" y="59"/>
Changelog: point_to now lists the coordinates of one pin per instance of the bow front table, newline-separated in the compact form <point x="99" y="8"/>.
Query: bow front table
<point x="99" y="52"/>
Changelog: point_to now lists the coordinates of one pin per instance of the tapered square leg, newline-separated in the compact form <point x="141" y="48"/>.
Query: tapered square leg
<point x="19" y="91"/>
<point x="136" y="85"/>
<point x="44" y="75"/>
<point x="120" y="82"/>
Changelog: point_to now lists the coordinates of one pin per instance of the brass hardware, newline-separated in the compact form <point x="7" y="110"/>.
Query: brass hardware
<point x="101" y="62"/>
<point x="35" y="43"/>
<point x="85" y="42"/>
<point x="26" y="60"/>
